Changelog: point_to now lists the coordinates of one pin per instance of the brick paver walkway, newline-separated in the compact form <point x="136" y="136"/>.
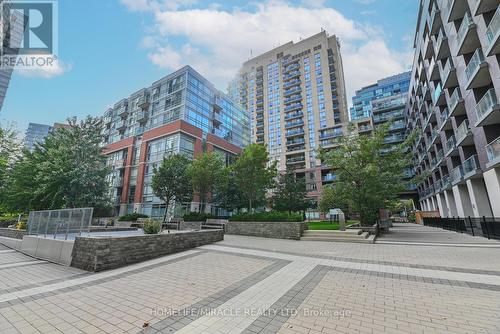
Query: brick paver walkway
<point x="255" y="285"/>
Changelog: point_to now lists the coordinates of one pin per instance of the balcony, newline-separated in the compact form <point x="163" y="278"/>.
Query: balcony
<point x="299" y="141"/>
<point x="293" y="98"/>
<point x="488" y="109"/>
<point x="259" y="116"/>
<point x="456" y="103"/>
<point x="365" y="128"/>
<point x="296" y="148"/>
<point x="143" y="102"/>
<point x="296" y="160"/>
<point x="464" y="134"/>
<point x="457" y="175"/>
<point x="428" y="48"/>
<point x="477" y="72"/>
<point x="289" y="61"/>
<point x="397" y="138"/>
<point x="439" y="98"/>
<point x="330" y="142"/>
<point x="492" y="34"/>
<point x="291" y="75"/>
<point x="445" y="123"/>
<point x="122" y="111"/>
<point x="467" y="39"/>
<point x="456" y="9"/>
<point x="440" y="157"/>
<point x="259" y="102"/>
<point x="436" y="21"/>
<point x="388" y="116"/>
<point x="259" y="124"/>
<point x="451" y="147"/>
<point x="293" y="115"/>
<point x="139" y="131"/>
<point x="331" y="134"/>
<point x="482" y="6"/>
<point x="433" y="71"/>
<point x="292" y="91"/>
<point x="120" y="126"/>
<point x="293" y="133"/>
<point x="450" y="75"/>
<point x="296" y="106"/>
<point x="445" y="182"/>
<point x="292" y="67"/>
<point x="141" y="116"/>
<point x="493" y="153"/>
<point x="118" y="164"/>
<point x="294" y="124"/>
<point x="291" y="83"/>
<point x="259" y="132"/>
<point x="471" y="167"/>
<point x="442" y="47"/>
<point x="260" y="140"/>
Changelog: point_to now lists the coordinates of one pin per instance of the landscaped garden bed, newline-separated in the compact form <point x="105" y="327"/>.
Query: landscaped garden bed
<point x="328" y="226"/>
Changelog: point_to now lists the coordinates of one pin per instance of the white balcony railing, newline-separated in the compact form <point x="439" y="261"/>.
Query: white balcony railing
<point x="474" y="63"/>
<point x="486" y="104"/>
<point x="494" y="27"/>
<point x="463" y="131"/>
<point x="464" y="27"/>
<point x="493" y="150"/>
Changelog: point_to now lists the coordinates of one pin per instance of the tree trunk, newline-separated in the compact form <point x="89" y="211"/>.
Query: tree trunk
<point x="166" y="212"/>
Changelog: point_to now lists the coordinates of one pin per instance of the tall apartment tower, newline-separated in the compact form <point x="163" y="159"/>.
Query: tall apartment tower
<point x="454" y="101"/>
<point x="296" y="97"/>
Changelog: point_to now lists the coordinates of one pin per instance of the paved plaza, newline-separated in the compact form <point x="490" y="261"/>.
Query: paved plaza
<point x="424" y="281"/>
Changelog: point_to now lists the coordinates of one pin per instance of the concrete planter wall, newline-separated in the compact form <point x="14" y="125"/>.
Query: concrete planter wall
<point x="12" y="233"/>
<point x="97" y="254"/>
<point x="277" y="230"/>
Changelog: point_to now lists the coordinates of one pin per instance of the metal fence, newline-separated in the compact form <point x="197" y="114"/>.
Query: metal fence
<point x="60" y="224"/>
<point x="488" y="227"/>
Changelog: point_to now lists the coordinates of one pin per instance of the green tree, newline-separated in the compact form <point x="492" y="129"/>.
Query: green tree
<point x="67" y="171"/>
<point x="206" y="171"/>
<point x="290" y="194"/>
<point x="10" y="150"/>
<point x="254" y="175"/>
<point x="369" y="173"/>
<point x="227" y="194"/>
<point x="172" y="182"/>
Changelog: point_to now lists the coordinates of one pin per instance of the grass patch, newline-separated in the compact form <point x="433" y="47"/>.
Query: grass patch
<point x="328" y="226"/>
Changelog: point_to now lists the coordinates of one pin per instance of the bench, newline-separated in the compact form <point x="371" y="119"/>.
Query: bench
<point x="217" y="224"/>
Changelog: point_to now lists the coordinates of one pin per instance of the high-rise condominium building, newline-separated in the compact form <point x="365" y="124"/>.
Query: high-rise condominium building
<point x="11" y="37"/>
<point x="296" y="97"/>
<point x="180" y="114"/>
<point x="36" y="133"/>
<point x="384" y="102"/>
<point x="454" y="101"/>
<point x="390" y="86"/>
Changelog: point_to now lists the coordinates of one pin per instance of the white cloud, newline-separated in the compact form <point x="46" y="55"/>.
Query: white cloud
<point x="46" y="72"/>
<point x="218" y="41"/>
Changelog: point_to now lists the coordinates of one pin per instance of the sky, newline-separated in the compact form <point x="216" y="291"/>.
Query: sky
<point x="109" y="49"/>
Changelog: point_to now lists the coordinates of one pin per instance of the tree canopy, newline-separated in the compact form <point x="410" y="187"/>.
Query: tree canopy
<point x="68" y="170"/>
<point x="369" y="173"/>
<point x="254" y="175"/>
<point x="290" y="193"/>
<point x="171" y="181"/>
<point x="206" y="171"/>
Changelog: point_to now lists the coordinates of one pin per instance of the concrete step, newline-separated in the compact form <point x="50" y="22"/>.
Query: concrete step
<point x="365" y="239"/>
<point x="311" y="233"/>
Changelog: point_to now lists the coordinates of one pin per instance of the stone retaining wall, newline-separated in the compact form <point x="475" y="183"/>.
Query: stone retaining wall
<point x="12" y="233"/>
<point x="277" y="230"/>
<point x="97" y="254"/>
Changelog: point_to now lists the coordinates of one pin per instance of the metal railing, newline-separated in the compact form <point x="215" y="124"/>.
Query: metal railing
<point x="464" y="27"/>
<point x="462" y="131"/>
<point x="60" y="224"/>
<point x="488" y="227"/>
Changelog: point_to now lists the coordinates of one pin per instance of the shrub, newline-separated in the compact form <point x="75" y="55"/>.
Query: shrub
<point x="132" y="217"/>
<point x="151" y="226"/>
<point x="197" y="216"/>
<point x="272" y="216"/>
<point x="21" y="225"/>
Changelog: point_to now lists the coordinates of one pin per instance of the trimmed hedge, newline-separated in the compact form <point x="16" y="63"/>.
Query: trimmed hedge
<point x="132" y="217"/>
<point x="197" y="217"/>
<point x="151" y="226"/>
<point x="273" y="216"/>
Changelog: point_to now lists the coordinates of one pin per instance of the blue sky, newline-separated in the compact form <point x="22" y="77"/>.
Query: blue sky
<point x="111" y="48"/>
